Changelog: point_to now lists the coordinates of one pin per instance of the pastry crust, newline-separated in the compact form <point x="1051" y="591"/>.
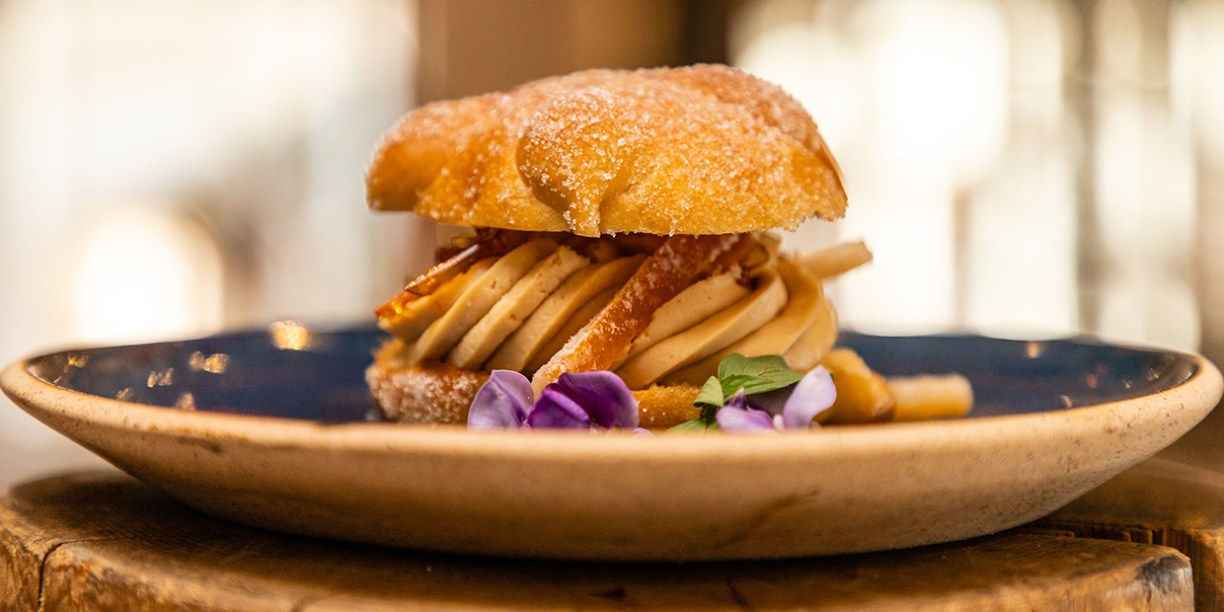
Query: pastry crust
<point x="696" y="150"/>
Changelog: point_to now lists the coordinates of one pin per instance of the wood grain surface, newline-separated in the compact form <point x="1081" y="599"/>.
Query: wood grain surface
<point x="1162" y="502"/>
<point x="101" y="540"/>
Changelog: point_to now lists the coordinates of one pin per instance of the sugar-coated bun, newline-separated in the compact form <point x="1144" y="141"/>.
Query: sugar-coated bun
<point x="440" y="394"/>
<point x="696" y="150"/>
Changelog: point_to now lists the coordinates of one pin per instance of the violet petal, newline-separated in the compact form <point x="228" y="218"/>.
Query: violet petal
<point x="502" y="402"/>
<point x="813" y="395"/>
<point x="603" y="395"/>
<point x="739" y="401"/>
<point x="744" y="420"/>
<point x="555" y="410"/>
<point x="772" y="402"/>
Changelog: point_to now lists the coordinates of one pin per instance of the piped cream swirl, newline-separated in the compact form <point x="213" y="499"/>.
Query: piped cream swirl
<point x="515" y="311"/>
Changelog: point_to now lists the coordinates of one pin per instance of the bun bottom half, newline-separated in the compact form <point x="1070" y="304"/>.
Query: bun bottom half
<point x="436" y="393"/>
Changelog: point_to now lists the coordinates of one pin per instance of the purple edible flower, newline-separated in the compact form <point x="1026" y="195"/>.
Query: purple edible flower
<point x="812" y="395"/>
<point x="737" y="415"/>
<point x="503" y="402"/>
<point x="582" y="400"/>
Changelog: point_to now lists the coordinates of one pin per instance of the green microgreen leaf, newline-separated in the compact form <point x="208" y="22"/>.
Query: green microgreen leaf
<point x="711" y="394"/>
<point x="693" y="426"/>
<point x="710" y="399"/>
<point x="752" y="374"/>
<point x="755" y="374"/>
<point x="734" y="382"/>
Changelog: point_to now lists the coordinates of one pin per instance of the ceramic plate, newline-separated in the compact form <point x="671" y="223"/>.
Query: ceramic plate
<point x="274" y="429"/>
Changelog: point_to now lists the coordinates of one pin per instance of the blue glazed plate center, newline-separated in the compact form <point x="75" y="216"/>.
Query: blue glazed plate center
<point x="323" y="380"/>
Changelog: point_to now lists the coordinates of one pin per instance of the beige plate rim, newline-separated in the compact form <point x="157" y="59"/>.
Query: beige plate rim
<point x="22" y="384"/>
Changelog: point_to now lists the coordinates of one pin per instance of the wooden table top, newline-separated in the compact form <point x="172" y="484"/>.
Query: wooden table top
<point x="101" y="540"/>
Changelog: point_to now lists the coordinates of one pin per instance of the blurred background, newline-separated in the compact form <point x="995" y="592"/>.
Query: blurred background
<point x="1019" y="167"/>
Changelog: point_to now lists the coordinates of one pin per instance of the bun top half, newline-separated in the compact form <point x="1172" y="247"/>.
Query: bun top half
<point x="702" y="149"/>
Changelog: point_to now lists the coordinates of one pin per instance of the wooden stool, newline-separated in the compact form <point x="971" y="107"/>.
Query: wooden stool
<point x="1162" y="502"/>
<point x="101" y="540"/>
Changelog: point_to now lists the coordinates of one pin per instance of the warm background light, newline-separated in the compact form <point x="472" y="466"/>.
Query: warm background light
<point x="172" y="169"/>
<point x="143" y="275"/>
<point x="1020" y="168"/>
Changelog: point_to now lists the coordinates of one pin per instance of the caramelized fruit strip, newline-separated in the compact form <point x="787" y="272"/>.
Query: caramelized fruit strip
<point x="931" y="396"/>
<point x="863" y="396"/>
<point x="663" y="275"/>
<point x="835" y="260"/>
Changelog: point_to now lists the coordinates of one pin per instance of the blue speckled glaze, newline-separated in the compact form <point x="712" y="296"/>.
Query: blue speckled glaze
<point x="324" y="382"/>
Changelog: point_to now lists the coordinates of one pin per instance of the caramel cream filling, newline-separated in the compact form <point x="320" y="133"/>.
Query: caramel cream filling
<point x="802" y="332"/>
<point x="477" y="298"/>
<point x="509" y="312"/>
<point x="515" y="312"/>
<point x="709" y="336"/>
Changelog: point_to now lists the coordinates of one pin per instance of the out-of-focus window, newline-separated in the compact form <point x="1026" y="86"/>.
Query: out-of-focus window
<point x="171" y="168"/>
<point x="1019" y="166"/>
